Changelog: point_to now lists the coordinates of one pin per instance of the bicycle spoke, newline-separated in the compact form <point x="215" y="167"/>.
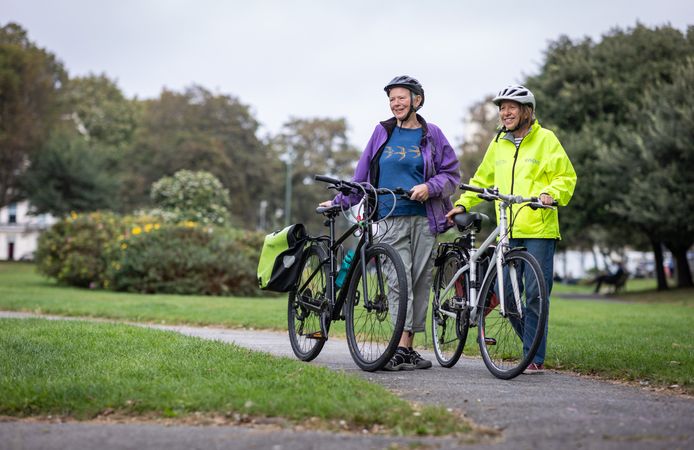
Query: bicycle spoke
<point x="304" y="324"/>
<point x="448" y="316"/>
<point x="509" y="339"/>
<point x="375" y="326"/>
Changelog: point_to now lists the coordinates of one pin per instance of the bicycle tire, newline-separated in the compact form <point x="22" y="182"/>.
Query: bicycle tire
<point x="374" y="330"/>
<point x="449" y="333"/>
<point x="499" y="337"/>
<point x="304" y="325"/>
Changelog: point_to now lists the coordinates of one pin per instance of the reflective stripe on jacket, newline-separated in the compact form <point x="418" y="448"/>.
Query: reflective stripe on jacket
<point x="539" y="165"/>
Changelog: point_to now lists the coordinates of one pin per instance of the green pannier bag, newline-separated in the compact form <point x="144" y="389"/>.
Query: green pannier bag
<point x="280" y="260"/>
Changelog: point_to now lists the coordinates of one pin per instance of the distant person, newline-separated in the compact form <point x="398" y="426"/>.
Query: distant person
<point x="408" y="152"/>
<point x="528" y="160"/>
<point x="613" y="278"/>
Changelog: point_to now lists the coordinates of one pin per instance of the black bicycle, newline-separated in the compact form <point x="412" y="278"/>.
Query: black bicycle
<point x="373" y="298"/>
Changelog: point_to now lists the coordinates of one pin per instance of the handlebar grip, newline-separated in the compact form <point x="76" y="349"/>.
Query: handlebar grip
<point x="467" y="187"/>
<point x="326" y="179"/>
<point x="537" y="204"/>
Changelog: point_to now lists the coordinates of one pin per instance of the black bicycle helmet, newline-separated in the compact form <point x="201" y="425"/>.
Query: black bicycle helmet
<point x="408" y="83"/>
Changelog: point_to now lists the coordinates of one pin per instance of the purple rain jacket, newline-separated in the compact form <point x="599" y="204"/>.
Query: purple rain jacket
<point x="441" y="173"/>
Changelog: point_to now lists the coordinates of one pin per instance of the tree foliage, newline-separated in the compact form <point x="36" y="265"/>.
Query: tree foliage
<point x="480" y="123"/>
<point x="316" y="147"/>
<point x="603" y="99"/>
<point x="200" y="131"/>
<point x="99" y="110"/>
<point x="30" y="82"/>
<point x="67" y="175"/>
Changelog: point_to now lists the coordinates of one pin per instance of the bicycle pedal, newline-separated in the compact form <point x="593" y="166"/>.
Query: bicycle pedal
<point x="315" y="335"/>
<point x="489" y="341"/>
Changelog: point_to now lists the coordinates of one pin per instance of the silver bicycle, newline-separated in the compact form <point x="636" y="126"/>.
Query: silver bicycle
<point x="467" y="292"/>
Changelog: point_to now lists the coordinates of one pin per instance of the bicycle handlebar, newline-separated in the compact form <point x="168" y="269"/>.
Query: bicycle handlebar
<point x="492" y="193"/>
<point x="346" y="187"/>
<point x="326" y="179"/>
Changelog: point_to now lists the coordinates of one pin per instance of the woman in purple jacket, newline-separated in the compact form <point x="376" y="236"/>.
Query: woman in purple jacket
<point x="407" y="152"/>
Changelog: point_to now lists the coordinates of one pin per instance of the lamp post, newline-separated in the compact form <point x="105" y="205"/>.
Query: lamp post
<point x="289" y="161"/>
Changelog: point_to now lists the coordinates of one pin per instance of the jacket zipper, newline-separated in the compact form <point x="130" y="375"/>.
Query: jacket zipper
<point x="513" y="180"/>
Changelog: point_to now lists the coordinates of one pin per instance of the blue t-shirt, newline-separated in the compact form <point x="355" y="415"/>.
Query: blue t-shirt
<point x="401" y="165"/>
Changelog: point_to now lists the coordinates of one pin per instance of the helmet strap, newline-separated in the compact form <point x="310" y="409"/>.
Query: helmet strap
<point x="412" y="109"/>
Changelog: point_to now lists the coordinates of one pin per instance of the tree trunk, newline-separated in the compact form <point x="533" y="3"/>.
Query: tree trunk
<point x="684" y="275"/>
<point x="659" y="270"/>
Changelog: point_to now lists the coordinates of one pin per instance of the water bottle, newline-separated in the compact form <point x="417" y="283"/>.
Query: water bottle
<point x="344" y="268"/>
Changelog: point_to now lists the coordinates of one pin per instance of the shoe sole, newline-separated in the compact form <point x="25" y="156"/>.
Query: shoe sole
<point x="399" y="368"/>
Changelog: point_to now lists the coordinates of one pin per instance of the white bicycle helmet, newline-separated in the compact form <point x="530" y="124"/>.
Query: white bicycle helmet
<point x="517" y="93"/>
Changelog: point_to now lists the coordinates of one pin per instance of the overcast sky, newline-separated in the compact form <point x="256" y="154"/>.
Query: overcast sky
<point x="324" y="58"/>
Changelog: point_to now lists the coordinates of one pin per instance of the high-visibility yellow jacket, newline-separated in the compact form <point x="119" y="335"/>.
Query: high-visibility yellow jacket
<point x="539" y="165"/>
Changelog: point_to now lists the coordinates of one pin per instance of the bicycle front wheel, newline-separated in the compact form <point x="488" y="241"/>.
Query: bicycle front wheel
<point x="304" y="318"/>
<point x="509" y="339"/>
<point x="375" y="307"/>
<point x="449" y="313"/>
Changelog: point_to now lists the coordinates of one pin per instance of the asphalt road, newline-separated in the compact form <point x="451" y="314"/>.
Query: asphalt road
<point x="554" y="410"/>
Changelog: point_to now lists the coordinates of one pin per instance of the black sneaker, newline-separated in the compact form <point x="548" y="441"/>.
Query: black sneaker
<point x="400" y="361"/>
<point x="418" y="361"/>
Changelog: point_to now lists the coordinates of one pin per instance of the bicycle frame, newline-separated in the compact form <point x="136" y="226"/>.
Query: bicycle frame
<point x="334" y="302"/>
<point x="472" y="265"/>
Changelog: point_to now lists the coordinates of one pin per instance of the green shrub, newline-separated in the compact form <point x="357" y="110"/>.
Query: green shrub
<point x="77" y="249"/>
<point x="195" y="196"/>
<point x="188" y="259"/>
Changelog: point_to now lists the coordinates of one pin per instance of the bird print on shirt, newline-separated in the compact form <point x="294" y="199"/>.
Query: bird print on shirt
<point x="401" y="152"/>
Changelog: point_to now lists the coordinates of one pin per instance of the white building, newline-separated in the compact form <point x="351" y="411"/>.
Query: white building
<point x="19" y="231"/>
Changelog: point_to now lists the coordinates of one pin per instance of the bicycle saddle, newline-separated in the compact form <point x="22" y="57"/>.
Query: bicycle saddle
<point x="467" y="221"/>
<point x="332" y="210"/>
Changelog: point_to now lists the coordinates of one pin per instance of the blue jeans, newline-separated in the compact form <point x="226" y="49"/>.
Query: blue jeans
<point x="543" y="251"/>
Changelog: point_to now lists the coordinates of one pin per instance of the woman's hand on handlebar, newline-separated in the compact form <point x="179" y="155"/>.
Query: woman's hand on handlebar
<point x="325" y="204"/>
<point x="453" y="212"/>
<point x="546" y="199"/>
<point x="420" y="193"/>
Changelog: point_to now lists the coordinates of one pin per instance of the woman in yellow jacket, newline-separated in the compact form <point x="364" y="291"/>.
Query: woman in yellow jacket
<point x="528" y="160"/>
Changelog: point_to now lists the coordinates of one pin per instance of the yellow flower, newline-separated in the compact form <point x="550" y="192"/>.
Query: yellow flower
<point x="73" y="214"/>
<point x="123" y="246"/>
<point x="137" y="230"/>
<point x="148" y="227"/>
<point x="156" y="226"/>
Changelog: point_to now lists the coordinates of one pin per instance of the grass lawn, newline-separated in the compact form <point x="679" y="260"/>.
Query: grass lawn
<point x="643" y="335"/>
<point x="83" y="369"/>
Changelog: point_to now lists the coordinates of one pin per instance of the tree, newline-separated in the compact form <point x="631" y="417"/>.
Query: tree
<point x="663" y="178"/>
<point x="192" y="196"/>
<point x="591" y="93"/>
<point x="30" y="81"/>
<point x="99" y="110"/>
<point x="316" y="147"/>
<point x="67" y="175"/>
<point x="481" y="125"/>
<point x="201" y="131"/>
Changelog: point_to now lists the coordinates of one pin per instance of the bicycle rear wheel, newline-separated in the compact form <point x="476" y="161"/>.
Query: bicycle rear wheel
<point x="449" y="314"/>
<point x="375" y="307"/>
<point x="304" y="323"/>
<point x="508" y="342"/>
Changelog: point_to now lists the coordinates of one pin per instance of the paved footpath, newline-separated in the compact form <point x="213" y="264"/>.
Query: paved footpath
<point x="554" y="410"/>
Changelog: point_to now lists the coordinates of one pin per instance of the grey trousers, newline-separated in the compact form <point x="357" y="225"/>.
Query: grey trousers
<point x="411" y="238"/>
